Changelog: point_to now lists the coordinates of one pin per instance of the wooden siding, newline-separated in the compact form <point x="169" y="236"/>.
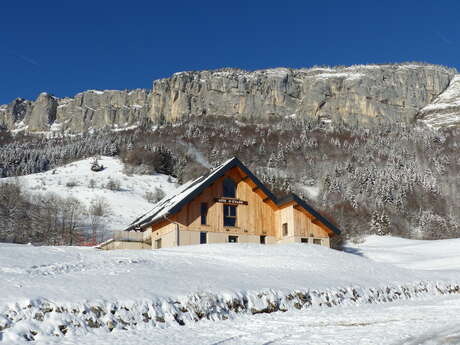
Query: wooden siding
<point x="304" y="227"/>
<point x="261" y="216"/>
<point x="256" y="218"/>
<point x="285" y="216"/>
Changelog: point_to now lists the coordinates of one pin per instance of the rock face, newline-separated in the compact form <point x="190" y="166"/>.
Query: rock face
<point x="13" y="114"/>
<point x="99" y="109"/>
<point x="401" y="92"/>
<point x="393" y="91"/>
<point x="89" y="109"/>
<point x="43" y="113"/>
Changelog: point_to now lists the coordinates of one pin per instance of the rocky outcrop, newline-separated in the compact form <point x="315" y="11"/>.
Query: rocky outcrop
<point x="13" y="114"/>
<point x="398" y="92"/>
<point x="87" y="110"/>
<point x="445" y="110"/>
<point x="99" y="109"/>
<point x="43" y="113"/>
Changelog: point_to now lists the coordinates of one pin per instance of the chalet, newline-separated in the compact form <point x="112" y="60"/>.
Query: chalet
<point x="229" y="204"/>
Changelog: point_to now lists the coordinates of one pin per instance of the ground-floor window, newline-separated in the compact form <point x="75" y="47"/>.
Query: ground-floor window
<point x="263" y="239"/>
<point x="158" y="243"/>
<point x="317" y="241"/>
<point x="232" y="239"/>
<point x="203" y="237"/>
<point x="304" y="240"/>
<point x="285" y="229"/>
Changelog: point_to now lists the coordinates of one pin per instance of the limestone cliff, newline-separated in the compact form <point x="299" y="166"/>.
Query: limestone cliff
<point x="393" y="91"/>
<point x="401" y="92"/>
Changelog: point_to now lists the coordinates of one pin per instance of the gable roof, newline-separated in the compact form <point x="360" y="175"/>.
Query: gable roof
<point x="174" y="201"/>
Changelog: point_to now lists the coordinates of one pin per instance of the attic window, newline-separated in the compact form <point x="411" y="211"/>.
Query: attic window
<point x="229" y="188"/>
<point x="204" y="212"/>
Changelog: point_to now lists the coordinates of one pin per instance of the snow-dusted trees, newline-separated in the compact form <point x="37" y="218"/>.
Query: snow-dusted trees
<point x="14" y="216"/>
<point x="378" y="176"/>
<point x="380" y="223"/>
<point x="46" y="219"/>
<point x="97" y="210"/>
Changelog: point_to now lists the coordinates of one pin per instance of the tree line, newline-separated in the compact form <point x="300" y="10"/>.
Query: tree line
<point x="48" y="218"/>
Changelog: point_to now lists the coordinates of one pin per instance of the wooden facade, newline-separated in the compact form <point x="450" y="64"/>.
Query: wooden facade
<point x="211" y="212"/>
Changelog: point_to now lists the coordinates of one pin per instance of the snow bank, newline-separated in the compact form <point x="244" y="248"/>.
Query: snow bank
<point x="71" y="290"/>
<point x="41" y="318"/>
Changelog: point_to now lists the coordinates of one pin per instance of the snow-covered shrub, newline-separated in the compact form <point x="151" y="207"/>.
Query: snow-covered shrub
<point x="155" y="196"/>
<point x="98" y="209"/>
<point x="91" y="184"/>
<point x="71" y="184"/>
<point x="113" y="185"/>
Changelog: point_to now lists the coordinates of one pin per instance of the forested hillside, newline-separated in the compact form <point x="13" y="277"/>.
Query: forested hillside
<point x="377" y="177"/>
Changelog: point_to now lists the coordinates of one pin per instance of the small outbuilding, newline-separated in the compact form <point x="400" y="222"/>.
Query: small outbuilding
<point x="229" y="204"/>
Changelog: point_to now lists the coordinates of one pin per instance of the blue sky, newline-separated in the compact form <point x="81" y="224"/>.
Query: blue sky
<point x="64" y="47"/>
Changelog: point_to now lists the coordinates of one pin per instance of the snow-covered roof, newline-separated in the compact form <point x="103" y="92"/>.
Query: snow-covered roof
<point x="174" y="201"/>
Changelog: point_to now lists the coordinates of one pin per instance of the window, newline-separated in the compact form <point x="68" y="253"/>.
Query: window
<point x="317" y="241"/>
<point x="232" y="239"/>
<point x="203" y="237"/>
<point x="263" y="239"/>
<point x="204" y="212"/>
<point x="285" y="229"/>
<point x="229" y="215"/>
<point x="158" y="243"/>
<point x="229" y="188"/>
<point x="304" y="240"/>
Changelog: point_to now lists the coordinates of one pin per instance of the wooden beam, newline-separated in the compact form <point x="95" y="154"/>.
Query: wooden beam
<point x="266" y="199"/>
<point x="245" y="178"/>
<point x="241" y="173"/>
<point x="255" y="188"/>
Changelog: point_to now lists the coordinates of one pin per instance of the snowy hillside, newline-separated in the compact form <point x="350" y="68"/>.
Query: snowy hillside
<point x="72" y="291"/>
<point x="77" y="180"/>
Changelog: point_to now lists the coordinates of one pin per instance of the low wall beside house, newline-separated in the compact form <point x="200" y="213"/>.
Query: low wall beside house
<point x="113" y="244"/>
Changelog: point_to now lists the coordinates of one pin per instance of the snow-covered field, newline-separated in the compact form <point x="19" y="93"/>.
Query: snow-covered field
<point x="413" y="254"/>
<point x="239" y="293"/>
<point x="76" y="179"/>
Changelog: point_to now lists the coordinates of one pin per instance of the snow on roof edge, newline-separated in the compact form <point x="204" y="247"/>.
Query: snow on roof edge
<point x="164" y="206"/>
